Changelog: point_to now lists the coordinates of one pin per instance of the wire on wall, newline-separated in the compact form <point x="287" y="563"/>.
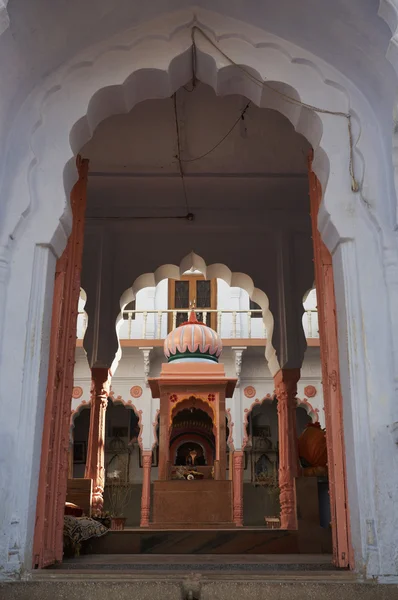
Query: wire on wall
<point x="178" y="156"/>
<point x="290" y="99"/>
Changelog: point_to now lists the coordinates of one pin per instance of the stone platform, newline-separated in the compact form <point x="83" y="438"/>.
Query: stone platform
<point x="182" y="504"/>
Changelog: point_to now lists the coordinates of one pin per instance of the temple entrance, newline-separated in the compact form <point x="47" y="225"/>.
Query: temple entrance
<point x="192" y="441"/>
<point x="284" y="279"/>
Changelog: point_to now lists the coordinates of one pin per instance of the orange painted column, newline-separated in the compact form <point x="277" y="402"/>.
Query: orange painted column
<point x="286" y="390"/>
<point x="333" y="401"/>
<point x="146" y="487"/>
<point x="220" y="463"/>
<point x="95" y="463"/>
<point x="164" y="437"/>
<point x="48" y="536"/>
<point x="238" y="463"/>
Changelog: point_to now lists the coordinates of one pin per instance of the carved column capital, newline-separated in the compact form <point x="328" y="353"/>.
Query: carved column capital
<point x="238" y="352"/>
<point x="285" y="382"/>
<point x="146" y="351"/>
<point x="100" y="383"/>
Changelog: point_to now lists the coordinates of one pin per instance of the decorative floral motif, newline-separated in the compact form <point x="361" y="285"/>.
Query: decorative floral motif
<point x="249" y="391"/>
<point x="211" y="397"/>
<point x="77" y="392"/>
<point x="136" y="391"/>
<point x="310" y="391"/>
<point x="173" y="398"/>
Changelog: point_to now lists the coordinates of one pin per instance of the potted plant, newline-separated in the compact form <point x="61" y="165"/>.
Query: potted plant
<point x="118" y="496"/>
<point x="103" y="517"/>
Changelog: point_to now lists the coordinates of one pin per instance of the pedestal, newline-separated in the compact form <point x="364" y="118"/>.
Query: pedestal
<point x="181" y="504"/>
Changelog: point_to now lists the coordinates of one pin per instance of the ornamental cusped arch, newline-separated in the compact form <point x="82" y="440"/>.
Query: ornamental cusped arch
<point x="153" y="61"/>
<point x="116" y="399"/>
<point x="213" y="271"/>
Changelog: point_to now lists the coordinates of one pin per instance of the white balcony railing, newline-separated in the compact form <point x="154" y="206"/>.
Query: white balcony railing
<point x="232" y="324"/>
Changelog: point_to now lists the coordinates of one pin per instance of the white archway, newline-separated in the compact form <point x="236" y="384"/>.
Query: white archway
<point x="215" y="271"/>
<point x="153" y="61"/>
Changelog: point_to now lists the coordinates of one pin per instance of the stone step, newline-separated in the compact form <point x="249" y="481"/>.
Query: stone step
<point x="331" y="586"/>
<point x="208" y="541"/>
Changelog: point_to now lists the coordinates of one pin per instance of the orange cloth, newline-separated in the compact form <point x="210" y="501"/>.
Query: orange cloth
<point x="312" y="446"/>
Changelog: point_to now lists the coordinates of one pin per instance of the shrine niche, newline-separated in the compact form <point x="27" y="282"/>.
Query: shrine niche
<point x="192" y="489"/>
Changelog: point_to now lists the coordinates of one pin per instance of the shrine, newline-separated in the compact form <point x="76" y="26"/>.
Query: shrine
<point x="192" y="489"/>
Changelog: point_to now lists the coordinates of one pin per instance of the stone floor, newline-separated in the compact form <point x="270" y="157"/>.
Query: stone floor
<point x="203" y="563"/>
<point x="193" y="577"/>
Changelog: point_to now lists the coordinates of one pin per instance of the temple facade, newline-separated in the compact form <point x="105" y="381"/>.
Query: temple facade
<point x="225" y="157"/>
<point x="251" y="417"/>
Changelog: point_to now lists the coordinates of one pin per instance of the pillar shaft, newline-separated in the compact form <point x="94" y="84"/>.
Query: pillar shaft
<point x="48" y="537"/>
<point x="146" y="487"/>
<point x="286" y="389"/>
<point x="220" y="465"/>
<point x="164" y="438"/>
<point x="238" y="460"/>
<point x="95" y="465"/>
<point x="333" y="401"/>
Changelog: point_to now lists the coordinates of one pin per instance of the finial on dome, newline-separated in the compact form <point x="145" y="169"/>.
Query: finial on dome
<point x="192" y="314"/>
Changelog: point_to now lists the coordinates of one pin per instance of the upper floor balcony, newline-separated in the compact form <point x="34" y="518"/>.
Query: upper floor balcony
<point x="244" y="326"/>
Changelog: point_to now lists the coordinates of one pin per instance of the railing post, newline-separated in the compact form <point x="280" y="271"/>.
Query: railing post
<point x="309" y="318"/>
<point x="204" y="317"/>
<point x="219" y="314"/>
<point x="129" y="325"/>
<point x="234" y="324"/>
<point x="159" y="332"/>
<point x="174" y="319"/>
<point x="145" y="317"/>
<point x="249" y="324"/>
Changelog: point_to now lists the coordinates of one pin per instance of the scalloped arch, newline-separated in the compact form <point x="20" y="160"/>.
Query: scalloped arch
<point x="116" y="400"/>
<point x="248" y="411"/>
<point x="214" y="271"/>
<point x="310" y="410"/>
<point x="113" y="76"/>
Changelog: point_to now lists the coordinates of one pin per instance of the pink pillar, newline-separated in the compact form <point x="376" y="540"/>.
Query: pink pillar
<point x="95" y="464"/>
<point x="146" y="487"/>
<point x="333" y="400"/>
<point x="286" y="389"/>
<point x="51" y="495"/>
<point x="238" y="458"/>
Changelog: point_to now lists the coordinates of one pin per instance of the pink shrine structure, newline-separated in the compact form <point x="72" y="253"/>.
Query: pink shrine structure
<point x="198" y="493"/>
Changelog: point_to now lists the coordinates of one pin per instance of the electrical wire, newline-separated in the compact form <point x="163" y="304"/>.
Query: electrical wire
<point x="241" y="116"/>
<point x="178" y="156"/>
<point x="290" y="99"/>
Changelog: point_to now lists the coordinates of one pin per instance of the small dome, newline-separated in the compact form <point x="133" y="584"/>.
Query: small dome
<point x="193" y="341"/>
